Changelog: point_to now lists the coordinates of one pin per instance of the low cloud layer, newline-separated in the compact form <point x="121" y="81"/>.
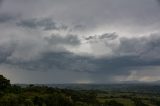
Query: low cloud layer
<point x="130" y="54"/>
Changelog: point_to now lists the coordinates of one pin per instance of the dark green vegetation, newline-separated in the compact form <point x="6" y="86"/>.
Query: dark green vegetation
<point x="32" y="95"/>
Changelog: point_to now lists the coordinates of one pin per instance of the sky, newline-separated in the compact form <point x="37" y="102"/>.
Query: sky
<point x="80" y="41"/>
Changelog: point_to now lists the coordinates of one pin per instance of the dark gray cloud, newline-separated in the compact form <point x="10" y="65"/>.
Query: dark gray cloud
<point x="65" y="61"/>
<point x="6" y="18"/>
<point x="146" y="48"/>
<point x="1" y="2"/>
<point x="31" y="47"/>
<point x="4" y="54"/>
<point x="56" y="61"/>
<point x="132" y="54"/>
<point x="45" y="24"/>
<point x="132" y="16"/>
<point x="158" y="1"/>
<point x="108" y="36"/>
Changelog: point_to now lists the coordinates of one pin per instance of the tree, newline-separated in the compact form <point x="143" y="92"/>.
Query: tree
<point x="38" y="101"/>
<point x="4" y="83"/>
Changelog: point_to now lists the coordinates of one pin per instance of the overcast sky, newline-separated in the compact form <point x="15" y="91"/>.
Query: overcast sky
<point x="80" y="41"/>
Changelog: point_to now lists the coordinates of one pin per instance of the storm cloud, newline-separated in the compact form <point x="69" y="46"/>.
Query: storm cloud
<point x="132" y="53"/>
<point x="105" y="41"/>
